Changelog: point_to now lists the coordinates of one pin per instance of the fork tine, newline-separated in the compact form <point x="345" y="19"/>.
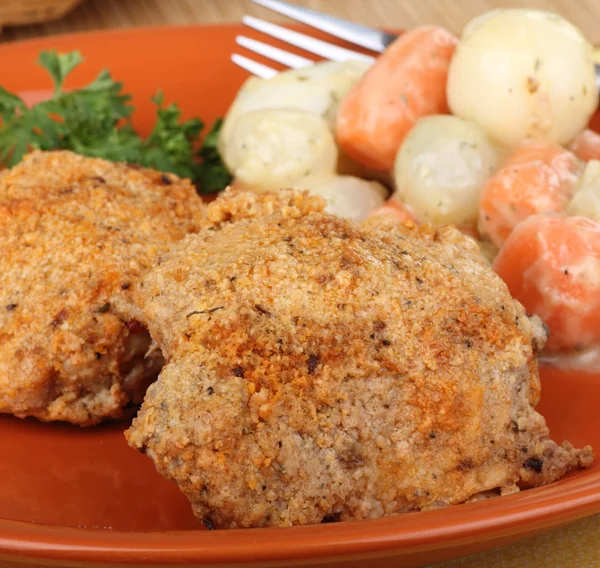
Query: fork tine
<point x="258" y="69"/>
<point x="310" y="44"/>
<point x="364" y="36"/>
<point x="274" y="53"/>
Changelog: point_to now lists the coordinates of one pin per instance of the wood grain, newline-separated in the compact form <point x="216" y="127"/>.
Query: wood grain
<point x="20" y="13"/>
<point x="453" y="14"/>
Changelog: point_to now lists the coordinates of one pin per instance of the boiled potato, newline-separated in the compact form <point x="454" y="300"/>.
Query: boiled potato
<point x="346" y="196"/>
<point x="441" y="169"/>
<point x="272" y="149"/>
<point x="586" y="201"/>
<point x="317" y="89"/>
<point x="523" y="74"/>
<point x="251" y="85"/>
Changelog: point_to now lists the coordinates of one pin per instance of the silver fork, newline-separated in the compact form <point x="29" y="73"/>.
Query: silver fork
<point x="363" y="36"/>
<point x="370" y="38"/>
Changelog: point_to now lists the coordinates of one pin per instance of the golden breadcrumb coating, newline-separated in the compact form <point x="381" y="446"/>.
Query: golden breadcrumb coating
<point x="318" y="370"/>
<point x="76" y="234"/>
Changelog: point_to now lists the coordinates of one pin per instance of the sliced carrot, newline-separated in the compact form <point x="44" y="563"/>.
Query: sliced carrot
<point x="395" y="209"/>
<point x="346" y="166"/>
<point x="551" y="264"/>
<point x="403" y="213"/>
<point x="586" y="146"/>
<point x="469" y="231"/>
<point x="536" y="178"/>
<point x="405" y="83"/>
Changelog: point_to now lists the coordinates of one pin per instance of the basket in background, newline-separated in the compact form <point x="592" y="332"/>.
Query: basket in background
<point x="19" y="12"/>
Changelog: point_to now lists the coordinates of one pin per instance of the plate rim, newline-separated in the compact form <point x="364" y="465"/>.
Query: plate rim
<point x="434" y="529"/>
<point x="124" y="31"/>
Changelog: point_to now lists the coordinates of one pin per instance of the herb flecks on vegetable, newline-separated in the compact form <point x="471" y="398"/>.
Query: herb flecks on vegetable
<point x="95" y="121"/>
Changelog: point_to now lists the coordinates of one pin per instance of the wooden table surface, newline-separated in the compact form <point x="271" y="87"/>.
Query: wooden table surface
<point x="577" y="545"/>
<point x="453" y="14"/>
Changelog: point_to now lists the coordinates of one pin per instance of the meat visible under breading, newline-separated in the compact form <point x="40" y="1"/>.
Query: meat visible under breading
<point x="75" y="235"/>
<point x="318" y="370"/>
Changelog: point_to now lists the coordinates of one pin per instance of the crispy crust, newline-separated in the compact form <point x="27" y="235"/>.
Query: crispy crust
<point x="76" y="234"/>
<point x="318" y="370"/>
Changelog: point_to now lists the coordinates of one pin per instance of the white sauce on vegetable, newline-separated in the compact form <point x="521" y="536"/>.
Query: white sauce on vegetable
<point x="587" y="360"/>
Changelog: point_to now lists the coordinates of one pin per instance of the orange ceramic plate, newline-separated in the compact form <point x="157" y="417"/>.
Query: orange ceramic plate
<point x="76" y="497"/>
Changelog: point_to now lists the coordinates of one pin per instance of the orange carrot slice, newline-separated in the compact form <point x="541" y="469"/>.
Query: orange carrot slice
<point x="537" y="178"/>
<point x="551" y="264"/>
<point x="586" y="146"/>
<point x="469" y="231"/>
<point x="405" y="83"/>
<point x="395" y="209"/>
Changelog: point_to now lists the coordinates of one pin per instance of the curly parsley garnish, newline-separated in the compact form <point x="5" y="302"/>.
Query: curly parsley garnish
<point x="95" y="120"/>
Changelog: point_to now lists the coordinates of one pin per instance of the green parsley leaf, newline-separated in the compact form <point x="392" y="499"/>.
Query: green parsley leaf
<point x="170" y="146"/>
<point x="59" y="65"/>
<point x="95" y="120"/>
<point x="212" y="175"/>
<point x="10" y="104"/>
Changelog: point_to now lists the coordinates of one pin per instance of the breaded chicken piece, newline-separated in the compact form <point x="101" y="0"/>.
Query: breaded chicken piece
<point x="76" y="234"/>
<point x="318" y="370"/>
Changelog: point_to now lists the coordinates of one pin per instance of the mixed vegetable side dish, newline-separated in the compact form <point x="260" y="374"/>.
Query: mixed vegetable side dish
<point x="488" y="132"/>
